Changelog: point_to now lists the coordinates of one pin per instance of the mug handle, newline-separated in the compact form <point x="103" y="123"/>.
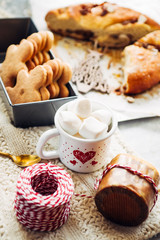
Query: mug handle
<point x="43" y="140"/>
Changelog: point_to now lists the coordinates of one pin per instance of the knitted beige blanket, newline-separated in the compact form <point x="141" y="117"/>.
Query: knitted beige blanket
<point x="84" y="221"/>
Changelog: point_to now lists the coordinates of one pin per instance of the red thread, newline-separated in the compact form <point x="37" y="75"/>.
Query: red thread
<point x="43" y="196"/>
<point x="83" y="195"/>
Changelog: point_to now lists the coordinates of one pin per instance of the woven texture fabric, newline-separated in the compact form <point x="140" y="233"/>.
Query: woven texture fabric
<point x="84" y="221"/>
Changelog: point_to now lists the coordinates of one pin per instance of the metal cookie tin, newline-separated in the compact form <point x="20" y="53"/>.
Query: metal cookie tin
<point x="41" y="113"/>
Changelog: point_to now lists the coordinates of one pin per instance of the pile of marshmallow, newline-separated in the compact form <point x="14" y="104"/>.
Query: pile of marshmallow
<point x="79" y="119"/>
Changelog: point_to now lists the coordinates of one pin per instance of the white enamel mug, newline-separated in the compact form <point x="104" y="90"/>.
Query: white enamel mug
<point x="78" y="154"/>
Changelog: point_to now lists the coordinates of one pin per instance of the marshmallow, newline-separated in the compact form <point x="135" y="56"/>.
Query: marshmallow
<point x="71" y="106"/>
<point x="102" y="115"/>
<point x="83" y="108"/>
<point x="69" y="122"/>
<point x="92" y="128"/>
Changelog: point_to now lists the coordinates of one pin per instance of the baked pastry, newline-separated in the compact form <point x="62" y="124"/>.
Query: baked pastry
<point x="142" y="64"/>
<point x="149" y="40"/>
<point x="29" y="74"/>
<point x="128" y="193"/>
<point x="106" y="24"/>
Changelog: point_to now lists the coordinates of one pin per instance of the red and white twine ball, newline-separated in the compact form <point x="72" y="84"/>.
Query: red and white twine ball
<point x="43" y="196"/>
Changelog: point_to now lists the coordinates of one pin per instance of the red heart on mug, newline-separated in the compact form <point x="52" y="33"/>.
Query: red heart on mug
<point x="73" y="162"/>
<point x="94" y="163"/>
<point x="84" y="157"/>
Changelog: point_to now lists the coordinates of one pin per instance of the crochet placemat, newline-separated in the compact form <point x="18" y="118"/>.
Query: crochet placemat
<point x="84" y="221"/>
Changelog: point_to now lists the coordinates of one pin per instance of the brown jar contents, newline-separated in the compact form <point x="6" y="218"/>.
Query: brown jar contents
<point x="125" y="197"/>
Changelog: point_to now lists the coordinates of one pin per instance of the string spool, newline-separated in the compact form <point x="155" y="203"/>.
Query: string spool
<point x="43" y="196"/>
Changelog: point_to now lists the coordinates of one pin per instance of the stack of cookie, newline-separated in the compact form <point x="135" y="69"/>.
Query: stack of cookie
<point x="29" y="74"/>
